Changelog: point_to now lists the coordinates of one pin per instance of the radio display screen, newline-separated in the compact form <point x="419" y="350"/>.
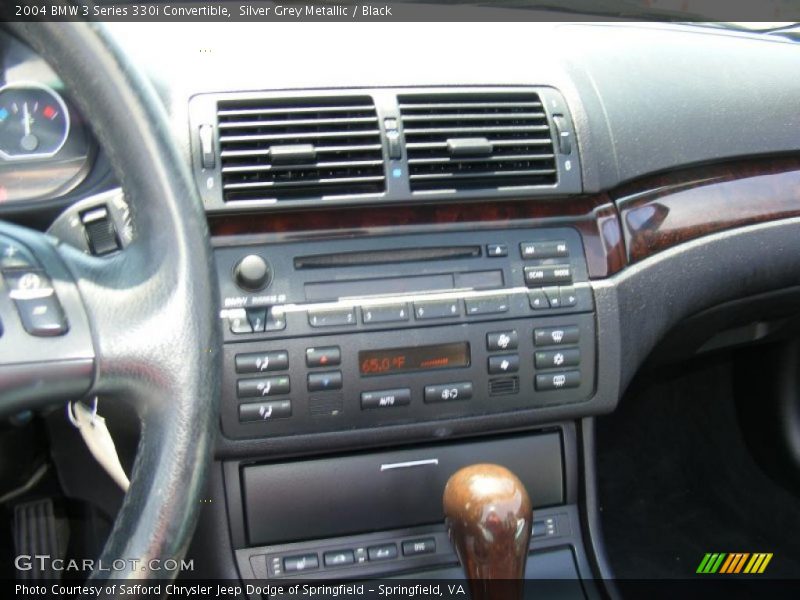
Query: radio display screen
<point x="414" y="358"/>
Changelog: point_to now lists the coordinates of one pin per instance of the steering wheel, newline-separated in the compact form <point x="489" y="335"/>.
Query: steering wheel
<point x="142" y="327"/>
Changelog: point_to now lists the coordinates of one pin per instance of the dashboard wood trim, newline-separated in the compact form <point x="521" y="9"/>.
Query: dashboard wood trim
<point x="595" y="217"/>
<point x="660" y="212"/>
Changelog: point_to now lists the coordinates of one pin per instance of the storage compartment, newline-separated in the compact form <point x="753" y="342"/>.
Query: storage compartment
<point x="360" y="493"/>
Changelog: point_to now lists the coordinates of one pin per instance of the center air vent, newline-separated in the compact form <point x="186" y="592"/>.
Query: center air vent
<point x="483" y="141"/>
<point x="274" y="149"/>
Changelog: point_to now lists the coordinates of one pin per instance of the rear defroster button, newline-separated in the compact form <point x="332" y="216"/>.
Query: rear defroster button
<point x="558" y="381"/>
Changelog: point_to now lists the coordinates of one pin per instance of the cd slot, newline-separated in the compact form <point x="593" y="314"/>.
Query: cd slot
<point x="385" y="257"/>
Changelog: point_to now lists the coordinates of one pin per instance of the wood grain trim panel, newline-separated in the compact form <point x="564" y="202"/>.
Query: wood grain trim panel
<point x="677" y="207"/>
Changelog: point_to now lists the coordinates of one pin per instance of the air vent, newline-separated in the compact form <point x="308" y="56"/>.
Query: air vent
<point x="275" y="149"/>
<point x="487" y="141"/>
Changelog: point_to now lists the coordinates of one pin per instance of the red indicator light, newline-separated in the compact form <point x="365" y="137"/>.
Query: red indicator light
<point x="49" y="112"/>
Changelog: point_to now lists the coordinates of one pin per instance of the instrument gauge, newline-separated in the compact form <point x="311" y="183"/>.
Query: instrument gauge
<point x="34" y="121"/>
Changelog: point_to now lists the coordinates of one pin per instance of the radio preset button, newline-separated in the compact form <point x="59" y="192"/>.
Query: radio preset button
<point x="324" y="380"/>
<point x="259" y="362"/>
<point x="502" y="340"/>
<point x="496" y="250"/>
<point x="265" y="411"/>
<point x="437" y="310"/>
<point x="332" y="318"/>
<point x="558" y="381"/>
<point x="548" y="275"/>
<point x="553" y="359"/>
<point x="503" y="363"/>
<point x="531" y="250"/>
<point x="487" y="305"/>
<point x="556" y="336"/>
<point x="448" y="391"/>
<point x="387" y="313"/>
<point x="385" y="398"/>
<point x="267" y="386"/>
<point x="327" y="356"/>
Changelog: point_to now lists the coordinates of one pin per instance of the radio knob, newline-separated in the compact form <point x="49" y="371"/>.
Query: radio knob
<point x="252" y="273"/>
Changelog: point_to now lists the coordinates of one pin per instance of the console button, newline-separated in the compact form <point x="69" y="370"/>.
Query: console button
<point x="265" y="411"/>
<point x="487" y="305"/>
<point x="437" y="310"/>
<point x="327" y="356"/>
<point x="382" y="552"/>
<point x="307" y="562"/>
<point x="324" y="380"/>
<point x="544" y="249"/>
<point x="558" y="381"/>
<point x="385" y="398"/>
<point x="387" y="313"/>
<point x="332" y="318"/>
<point x="259" y="362"/>
<point x="553" y="297"/>
<point x="42" y="316"/>
<point x="266" y="386"/>
<point x="538" y="300"/>
<point x="448" y="391"/>
<point x="504" y="363"/>
<point x="568" y="296"/>
<point x="423" y="546"/>
<point x="496" y="250"/>
<point x="239" y="322"/>
<point x="548" y="275"/>
<point x="556" y="336"/>
<point x="338" y="558"/>
<point x="502" y="340"/>
<point x="552" y="359"/>
<point x="276" y="319"/>
<point x="257" y="318"/>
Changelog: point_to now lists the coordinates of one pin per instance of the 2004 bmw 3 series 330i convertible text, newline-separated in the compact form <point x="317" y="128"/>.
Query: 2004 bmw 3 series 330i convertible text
<point x="492" y="300"/>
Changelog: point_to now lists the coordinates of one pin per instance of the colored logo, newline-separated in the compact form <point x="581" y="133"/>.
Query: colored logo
<point x="734" y="563"/>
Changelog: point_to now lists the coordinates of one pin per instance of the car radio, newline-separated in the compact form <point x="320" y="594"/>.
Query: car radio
<point x="326" y="335"/>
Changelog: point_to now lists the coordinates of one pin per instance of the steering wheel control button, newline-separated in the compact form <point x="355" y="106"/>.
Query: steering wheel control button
<point x="558" y="381"/>
<point x="538" y="300"/>
<point x="14" y="255"/>
<point x="415" y="547"/>
<point x="101" y="234"/>
<point x="385" y="398"/>
<point x="502" y="340"/>
<point x="382" y="552"/>
<point x="267" y="386"/>
<point x="387" y="313"/>
<point x="28" y="284"/>
<point x="437" y="310"/>
<point x="487" y="306"/>
<point x="535" y="250"/>
<point x="332" y="318"/>
<point x="448" y="392"/>
<point x="496" y="250"/>
<point x="252" y="273"/>
<point x="339" y="558"/>
<point x="503" y="363"/>
<point x="556" y="336"/>
<point x="323" y="381"/>
<point x="555" y="359"/>
<point x="297" y="564"/>
<point x="260" y="362"/>
<point x="265" y="411"/>
<point x="327" y="356"/>
<point x="548" y="275"/>
<point x="42" y="316"/>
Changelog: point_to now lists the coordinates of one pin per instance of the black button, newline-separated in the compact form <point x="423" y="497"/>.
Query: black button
<point x="276" y="319"/>
<point x="385" y="398"/>
<point x="414" y="547"/>
<point x="387" y="313"/>
<point x="101" y="235"/>
<point x="42" y="316"/>
<point x="553" y="297"/>
<point x="558" y="381"/>
<point x="552" y="359"/>
<point x="239" y="323"/>
<point x="266" y="386"/>
<point x="257" y="318"/>
<point x="382" y="552"/>
<point x="259" y="362"/>
<point x="338" y="558"/>
<point x="324" y="380"/>
<point x="328" y="356"/>
<point x="28" y="284"/>
<point x="332" y="318"/>
<point x="538" y="300"/>
<point x="496" y="250"/>
<point x="14" y="255"/>
<point x="504" y="363"/>
<point x="307" y="562"/>
<point x="555" y="336"/>
<point x="543" y="249"/>
<point x="265" y="411"/>
<point x="548" y="275"/>
<point x="437" y="310"/>
<point x="502" y="340"/>
<point x="448" y="391"/>
<point x="487" y="305"/>
<point x="568" y="297"/>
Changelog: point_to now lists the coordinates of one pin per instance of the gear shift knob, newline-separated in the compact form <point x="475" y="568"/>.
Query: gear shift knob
<point x="488" y="516"/>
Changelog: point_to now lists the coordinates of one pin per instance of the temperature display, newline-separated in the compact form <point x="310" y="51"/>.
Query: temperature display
<point x="34" y="121"/>
<point x="416" y="358"/>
